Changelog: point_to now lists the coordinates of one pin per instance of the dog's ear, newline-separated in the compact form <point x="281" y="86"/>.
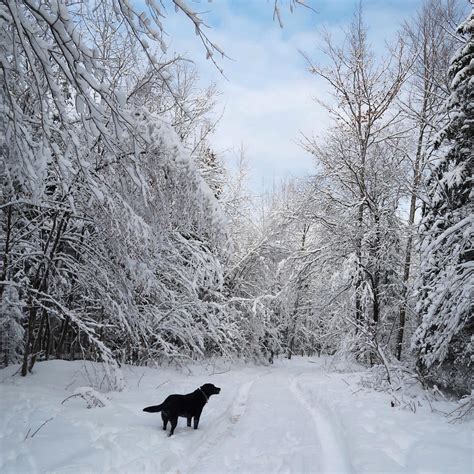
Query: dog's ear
<point x="210" y="389"/>
<point x="207" y="388"/>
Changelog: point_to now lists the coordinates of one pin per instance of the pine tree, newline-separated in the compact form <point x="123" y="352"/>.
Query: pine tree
<point x="443" y="339"/>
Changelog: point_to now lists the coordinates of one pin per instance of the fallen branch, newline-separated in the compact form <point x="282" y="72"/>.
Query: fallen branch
<point x="41" y="426"/>
<point x="462" y="412"/>
<point x="140" y="379"/>
<point x="162" y="383"/>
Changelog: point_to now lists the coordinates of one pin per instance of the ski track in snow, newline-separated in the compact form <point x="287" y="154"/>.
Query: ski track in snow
<point x="278" y="431"/>
<point x="334" y="449"/>
<point x="220" y="429"/>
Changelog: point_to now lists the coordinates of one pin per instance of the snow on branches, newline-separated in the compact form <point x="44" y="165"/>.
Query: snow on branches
<point x="447" y="268"/>
<point x="110" y="237"/>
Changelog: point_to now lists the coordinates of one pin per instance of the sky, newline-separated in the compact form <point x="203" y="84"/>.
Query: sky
<point x="267" y="94"/>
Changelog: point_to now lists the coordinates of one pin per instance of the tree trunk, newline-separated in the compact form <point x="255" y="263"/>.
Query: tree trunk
<point x="37" y="342"/>
<point x="64" y="330"/>
<point x="409" y="246"/>
<point x="47" y="340"/>
<point x="3" y="277"/>
<point x="358" y="302"/>
<point x="29" y="338"/>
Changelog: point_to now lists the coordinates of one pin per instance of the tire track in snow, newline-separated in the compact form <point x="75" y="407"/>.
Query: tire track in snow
<point x="335" y="451"/>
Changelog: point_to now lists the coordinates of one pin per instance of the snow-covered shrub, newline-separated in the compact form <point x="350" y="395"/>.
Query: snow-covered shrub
<point x="92" y="397"/>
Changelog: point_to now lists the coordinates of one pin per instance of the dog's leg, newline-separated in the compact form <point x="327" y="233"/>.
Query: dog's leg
<point x="165" y="420"/>
<point x="196" y="419"/>
<point x="189" y="420"/>
<point x="174" y="422"/>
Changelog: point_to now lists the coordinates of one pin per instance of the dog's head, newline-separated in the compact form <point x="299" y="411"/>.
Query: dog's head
<point x="210" y="389"/>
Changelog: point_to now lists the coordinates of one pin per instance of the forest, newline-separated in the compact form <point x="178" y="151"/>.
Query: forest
<point x="126" y="238"/>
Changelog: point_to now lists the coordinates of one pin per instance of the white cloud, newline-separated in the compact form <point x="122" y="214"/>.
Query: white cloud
<point x="268" y="94"/>
<point x="268" y="121"/>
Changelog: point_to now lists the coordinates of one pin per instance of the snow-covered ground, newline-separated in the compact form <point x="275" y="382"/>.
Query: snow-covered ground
<point x="296" y="416"/>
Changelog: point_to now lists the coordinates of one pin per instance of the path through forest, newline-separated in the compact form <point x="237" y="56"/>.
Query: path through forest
<point x="272" y="429"/>
<point x="297" y="416"/>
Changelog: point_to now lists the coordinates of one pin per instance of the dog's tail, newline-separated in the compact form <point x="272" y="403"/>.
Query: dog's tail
<point x="154" y="409"/>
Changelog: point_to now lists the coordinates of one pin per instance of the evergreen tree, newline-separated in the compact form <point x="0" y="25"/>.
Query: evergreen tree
<point x="443" y="340"/>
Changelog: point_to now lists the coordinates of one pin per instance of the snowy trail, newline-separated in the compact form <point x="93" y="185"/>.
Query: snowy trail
<point x="293" y="417"/>
<point x="276" y="434"/>
<point x="335" y="452"/>
<point x="221" y="428"/>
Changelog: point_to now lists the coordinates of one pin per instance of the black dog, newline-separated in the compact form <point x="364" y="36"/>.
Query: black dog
<point x="189" y="406"/>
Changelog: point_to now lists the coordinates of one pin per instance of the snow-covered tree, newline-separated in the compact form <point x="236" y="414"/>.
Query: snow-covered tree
<point x="111" y="240"/>
<point x="444" y="339"/>
<point x="356" y="192"/>
<point x="251" y="274"/>
<point x="431" y="43"/>
<point x="11" y="328"/>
